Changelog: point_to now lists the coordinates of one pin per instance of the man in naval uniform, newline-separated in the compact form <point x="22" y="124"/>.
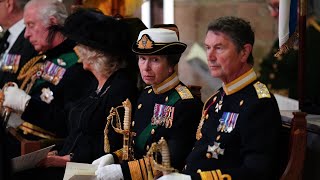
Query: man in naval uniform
<point x="52" y="80"/>
<point x="165" y="109"/>
<point x="238" y="134"/>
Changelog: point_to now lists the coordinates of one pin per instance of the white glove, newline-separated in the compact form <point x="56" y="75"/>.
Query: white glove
<point x="109" y="172"/>
<point x="175" y="176"/>
<point x="104" y="160"/>
<point x="14" y="120"/>
<point x="15" y="98"/>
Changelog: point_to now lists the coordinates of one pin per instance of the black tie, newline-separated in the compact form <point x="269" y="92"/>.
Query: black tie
<point x="3" y="42"/>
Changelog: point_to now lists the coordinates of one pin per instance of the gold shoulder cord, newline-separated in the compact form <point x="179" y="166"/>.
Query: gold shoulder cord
<point x="28" y="71"/>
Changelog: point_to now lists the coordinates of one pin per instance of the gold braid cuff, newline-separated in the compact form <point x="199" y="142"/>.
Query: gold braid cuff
<point x="135" y="170"/>
<point x="142" y="169"/>
<point x="214" y="175"/>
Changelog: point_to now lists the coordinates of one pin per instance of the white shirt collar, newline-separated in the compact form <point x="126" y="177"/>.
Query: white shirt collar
<point x="15" y="31"/>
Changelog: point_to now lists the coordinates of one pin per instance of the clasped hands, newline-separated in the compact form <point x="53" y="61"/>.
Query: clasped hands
<point x="15" y="98"/>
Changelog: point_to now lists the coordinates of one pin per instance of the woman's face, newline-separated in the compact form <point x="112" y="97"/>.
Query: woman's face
<point x="154" y="69"/>
<point x="83" y="56"/>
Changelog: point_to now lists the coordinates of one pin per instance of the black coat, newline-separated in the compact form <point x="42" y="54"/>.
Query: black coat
<point x="249" y="150"/>
<point x="21" y="47"/>
<point x="87" y="119"/>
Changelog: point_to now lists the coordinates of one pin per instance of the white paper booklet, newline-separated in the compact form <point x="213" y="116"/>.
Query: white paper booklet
<point x="80" y="171"/>
<point x="29" y="160"/>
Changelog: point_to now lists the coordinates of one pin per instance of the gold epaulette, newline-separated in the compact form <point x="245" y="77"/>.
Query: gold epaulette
<point x="214" y="175"/>
<point x="142" y="169"/>
<point x="262" y="90"/>
<point x="29" y="128"/>
<point x="184" y="92"/>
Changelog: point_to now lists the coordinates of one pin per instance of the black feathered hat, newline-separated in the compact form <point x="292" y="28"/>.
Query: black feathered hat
<point x="92" y="28"/>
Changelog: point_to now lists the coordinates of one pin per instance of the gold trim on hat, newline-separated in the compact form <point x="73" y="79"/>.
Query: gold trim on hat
<point x="145" y="42"/>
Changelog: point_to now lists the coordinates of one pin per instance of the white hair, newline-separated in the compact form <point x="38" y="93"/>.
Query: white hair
<point x="49" y="8"/>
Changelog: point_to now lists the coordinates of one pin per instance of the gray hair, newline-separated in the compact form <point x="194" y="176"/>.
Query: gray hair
<point x="102" y="62"/>
<point x="48" y="8"/>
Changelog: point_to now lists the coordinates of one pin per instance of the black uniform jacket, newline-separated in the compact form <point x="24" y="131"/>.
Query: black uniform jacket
<point x="181" y="135"/>
<point x="21" y="47"/>
<point x="87" y="119"/>
<point x="239" y="132"/>
<point x="75" y="84"/>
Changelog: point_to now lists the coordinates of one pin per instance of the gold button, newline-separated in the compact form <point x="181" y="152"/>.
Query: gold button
<point x="241" y="102"/>
<point x="199" y="171"/>
<point x="132" y="124"/>
<point x="209" y="155"/>
<point x="147" y="148"/>
<point x="218" y="137"/>
<point x="152" y="131"/>
<point x="139" y="106"/>
<point x="207" y="116"/>
<point x="150" y="90"/>
<point x="167" y="98"/>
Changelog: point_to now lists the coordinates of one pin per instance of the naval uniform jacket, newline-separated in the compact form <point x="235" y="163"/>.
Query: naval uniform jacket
<point x="21" y="47"/>
<point x="74" y="84"/>
<point x="180" y="137"/>
<point x="87" y="119"/>
<point x="238" y="134"/>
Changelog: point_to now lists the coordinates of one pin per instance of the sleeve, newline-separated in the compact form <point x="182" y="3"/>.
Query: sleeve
<point x="183" y="134"/>
<point x="139" y="169"/>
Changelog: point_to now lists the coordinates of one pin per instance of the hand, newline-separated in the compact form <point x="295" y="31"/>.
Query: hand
<point x="175" y="176"/>
<point x="54" y="161"/>
<point x="14" y="120"/>
<point x="104" y="160"/>
<point x="109" y="172"/>
<point x="15" y="98"/>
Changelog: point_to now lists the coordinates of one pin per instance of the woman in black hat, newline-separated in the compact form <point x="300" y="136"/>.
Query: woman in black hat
<point x="102" y="48"/>
<point x="166" y="108"/>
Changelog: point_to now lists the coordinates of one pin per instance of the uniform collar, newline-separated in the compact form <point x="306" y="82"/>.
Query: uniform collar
<point x="239" y="83"/>
<point x="167" y="84"/>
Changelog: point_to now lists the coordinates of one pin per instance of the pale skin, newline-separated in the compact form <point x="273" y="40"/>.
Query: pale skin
<point x="154" y="69"/>
<point x="9" y="13"/>
<point x="224" y="60"/>
<point x="37" y="31"/>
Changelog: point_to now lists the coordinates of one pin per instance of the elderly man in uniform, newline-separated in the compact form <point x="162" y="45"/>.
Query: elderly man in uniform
<point x="15" y="50"/>
<point x="238" y="135"/>
<point x="53" y="80"/>
<point x="166" y="108"/>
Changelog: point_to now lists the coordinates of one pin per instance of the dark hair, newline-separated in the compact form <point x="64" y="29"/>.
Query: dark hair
<point x="239" y="31"/>
<point x="173" y="59"/>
